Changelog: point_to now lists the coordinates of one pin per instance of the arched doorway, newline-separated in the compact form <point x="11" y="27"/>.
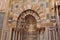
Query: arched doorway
<point x="28" y="32"/>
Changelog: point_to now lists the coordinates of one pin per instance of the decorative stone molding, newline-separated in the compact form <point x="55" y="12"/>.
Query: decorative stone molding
<point x="28" y="12"/>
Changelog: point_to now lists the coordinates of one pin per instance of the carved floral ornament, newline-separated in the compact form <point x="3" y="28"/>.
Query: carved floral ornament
<point x="15" y="6"/>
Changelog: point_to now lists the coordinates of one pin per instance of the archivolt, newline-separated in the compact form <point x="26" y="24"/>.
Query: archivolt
<point x="28" y="12"/>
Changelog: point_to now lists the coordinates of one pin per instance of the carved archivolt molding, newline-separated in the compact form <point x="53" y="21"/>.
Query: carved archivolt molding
<point x="21" y="17"/>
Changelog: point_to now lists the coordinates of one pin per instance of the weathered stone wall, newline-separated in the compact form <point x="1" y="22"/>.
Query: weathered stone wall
<point x="1" y="21"/>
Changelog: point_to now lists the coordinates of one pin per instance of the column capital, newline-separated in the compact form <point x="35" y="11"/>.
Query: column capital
<point x="52" y="28"/>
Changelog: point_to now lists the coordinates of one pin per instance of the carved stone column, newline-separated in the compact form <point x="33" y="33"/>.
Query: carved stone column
<point x="19" y="35"/>
<point x="41" y="33"/>
<point x="16" y="35"/>
<point x="52" y="33"/>
<point x="13" y="35"/>
<point x="46" y="34"/>
<point x="10" y="34"/>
